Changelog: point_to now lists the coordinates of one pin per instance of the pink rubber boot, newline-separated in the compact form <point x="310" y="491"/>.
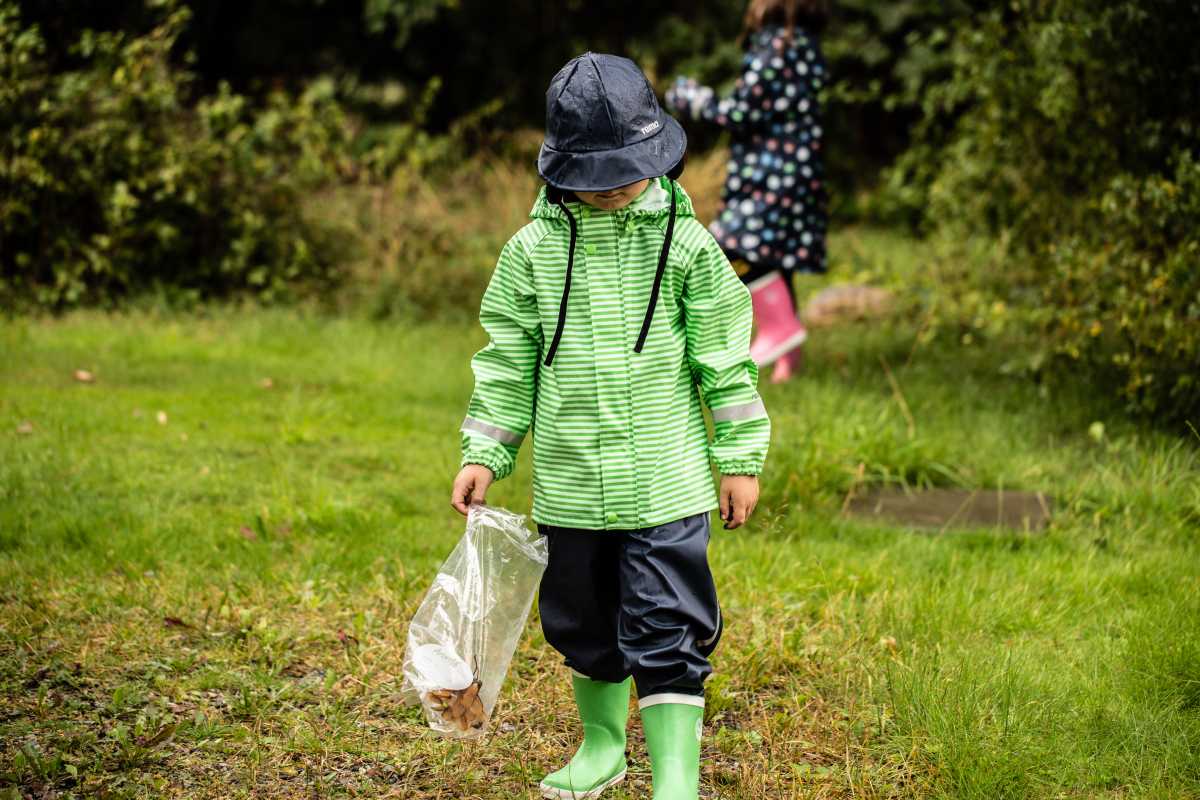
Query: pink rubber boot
<point x="779" y="331"/>
<point x="786" y="366"/>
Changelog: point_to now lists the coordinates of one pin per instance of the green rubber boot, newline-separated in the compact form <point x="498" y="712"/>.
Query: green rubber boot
<point x="600" y="761"/>
<point x="673" y="739"/>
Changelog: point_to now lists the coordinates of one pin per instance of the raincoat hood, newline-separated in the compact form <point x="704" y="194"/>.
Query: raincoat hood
<point x="662" y="196"/>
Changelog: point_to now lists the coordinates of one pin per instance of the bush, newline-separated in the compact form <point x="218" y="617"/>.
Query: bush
<point x="1125" y="297"/>
<point x="113" y="180"/>
<point x="429" y="239"/>
<point x="1067" y="130"/>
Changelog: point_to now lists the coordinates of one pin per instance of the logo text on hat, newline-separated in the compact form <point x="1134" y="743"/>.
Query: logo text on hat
<point x="653" y="126"/>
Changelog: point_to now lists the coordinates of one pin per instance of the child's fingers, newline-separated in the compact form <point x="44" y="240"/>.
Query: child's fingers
<point x="725" y="505"/>
<point x="739" y="512"/>
<point x="457" y="498"/>
<point x="459" y="495"/>
<point x="470" y="488"/>
<point x="479" y="487"/>
<point x="478" y="492"/>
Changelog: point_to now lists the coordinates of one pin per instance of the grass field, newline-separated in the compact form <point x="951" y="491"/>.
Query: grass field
<point x="208" y="556"/>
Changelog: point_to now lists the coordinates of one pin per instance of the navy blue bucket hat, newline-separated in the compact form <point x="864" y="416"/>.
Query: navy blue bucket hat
<point x="604" y="127"/>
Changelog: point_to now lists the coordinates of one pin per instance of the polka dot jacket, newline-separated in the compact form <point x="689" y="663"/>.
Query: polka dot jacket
<point x="774" y="200"/>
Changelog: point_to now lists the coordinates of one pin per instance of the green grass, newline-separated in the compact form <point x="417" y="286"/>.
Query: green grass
<point x="216" y="606"/>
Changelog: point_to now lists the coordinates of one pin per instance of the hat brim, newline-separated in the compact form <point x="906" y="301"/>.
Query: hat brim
<point x="602" y="170"/>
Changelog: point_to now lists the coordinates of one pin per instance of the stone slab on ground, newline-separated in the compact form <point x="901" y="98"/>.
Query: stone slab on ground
<point x="836" y="305"/>
<point x="954" y="508"/>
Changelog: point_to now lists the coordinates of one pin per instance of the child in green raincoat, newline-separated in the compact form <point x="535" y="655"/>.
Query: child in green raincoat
<point x="613" y="315"/>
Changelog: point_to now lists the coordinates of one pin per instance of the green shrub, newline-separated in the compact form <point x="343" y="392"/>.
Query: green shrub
<point x="115" y="180"/>
<point x="1067" y="130"/>
<point x="1125" y="296"/>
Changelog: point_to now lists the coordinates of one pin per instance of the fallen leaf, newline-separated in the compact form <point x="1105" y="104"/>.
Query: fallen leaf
<point x="161" y="416"/>
<point x="175" y="622"/>
<point x="205" y="470"/>
<point x="888" y="642"/>
<point x="83" y="376"/>
<point x="25" y="427"/>
<point x="248" y="533"/>
<point x="266" y="383"/>
<point x="461" y="707"/>
<point x="164" y="733"/>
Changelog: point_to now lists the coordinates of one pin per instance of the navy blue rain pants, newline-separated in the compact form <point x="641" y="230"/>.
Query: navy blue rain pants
<point x="638" y="602"/>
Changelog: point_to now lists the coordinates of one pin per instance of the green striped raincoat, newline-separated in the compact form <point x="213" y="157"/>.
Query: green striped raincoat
<point x="619" y="440"/>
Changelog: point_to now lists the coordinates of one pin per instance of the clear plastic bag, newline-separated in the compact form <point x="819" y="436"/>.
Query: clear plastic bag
<point x="464" y="633"/>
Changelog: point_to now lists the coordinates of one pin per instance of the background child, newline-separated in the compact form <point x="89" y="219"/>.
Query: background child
<point x="613" y="313"/>
<point x="774" y="200"/>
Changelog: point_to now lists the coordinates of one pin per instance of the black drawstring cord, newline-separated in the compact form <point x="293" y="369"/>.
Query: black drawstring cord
<point x="658" y="274"/>
<point x="654" y="291"/>
<point x="562" y="306"/>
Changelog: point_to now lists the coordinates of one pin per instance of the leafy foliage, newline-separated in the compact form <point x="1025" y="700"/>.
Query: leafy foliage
<point x="113" y="181"/>
<point x="1057" y="130"/>
<point x="390" y="57"/>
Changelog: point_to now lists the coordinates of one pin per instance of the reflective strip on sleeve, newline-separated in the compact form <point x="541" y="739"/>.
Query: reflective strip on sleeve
<point x="499" y="434"/>
<point x="742" y="411"/>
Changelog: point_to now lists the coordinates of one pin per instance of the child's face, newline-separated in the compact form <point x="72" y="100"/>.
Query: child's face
<point x="614" y="198"/>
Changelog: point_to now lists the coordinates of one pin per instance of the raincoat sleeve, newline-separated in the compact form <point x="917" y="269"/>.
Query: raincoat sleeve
<point x="755" y="98"/>
<point x="699" y="102"/>
<point x="718" y="317"/>
<point x="731" y="112"/>
<point x="501" y="407"/>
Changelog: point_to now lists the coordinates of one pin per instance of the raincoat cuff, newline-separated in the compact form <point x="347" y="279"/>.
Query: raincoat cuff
<point x="740" y="466"/>
<point x="500" y="467"/>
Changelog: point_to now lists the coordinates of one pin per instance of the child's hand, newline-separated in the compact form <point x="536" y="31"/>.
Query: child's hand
<point x="739" y="496"/>
<point x="470" y="487"/>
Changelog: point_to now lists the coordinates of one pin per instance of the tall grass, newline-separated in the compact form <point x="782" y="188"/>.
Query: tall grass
<point x="426" y="243"/>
